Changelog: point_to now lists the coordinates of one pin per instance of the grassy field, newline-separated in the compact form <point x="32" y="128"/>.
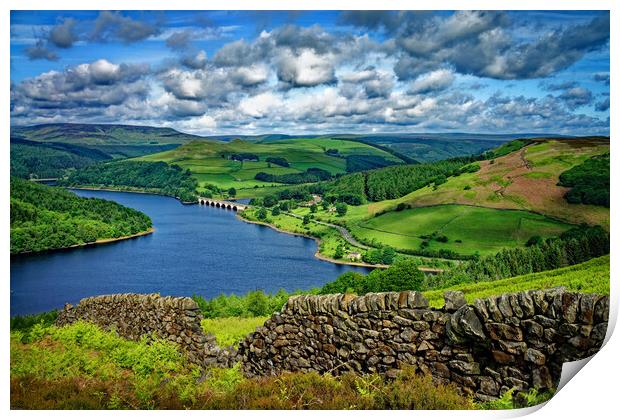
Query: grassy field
<point x="204" y="159"/>
<point x="525" y="179"/>
<point x="329" y="237"/>
<point x="588" y="277"/>
<point x="229" y="331"/>
<point x="468" y="229"/>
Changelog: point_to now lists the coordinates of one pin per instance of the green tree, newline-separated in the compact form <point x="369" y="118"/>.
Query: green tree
<point x="347" y="282"/>
<point x="257" y="303"/>
<point x="232" y="192"/>
<point x="306" y="219"/>
<point x="403" y="275"/>
<point x="388" y="254"/>
<point x="261" y="214"/>
<point x="270" y="200"/>
<point x="313" y="208"/>
<point x="275" y="211"/>
<point x="341" y="209"/>
<point x="339" y="252"/>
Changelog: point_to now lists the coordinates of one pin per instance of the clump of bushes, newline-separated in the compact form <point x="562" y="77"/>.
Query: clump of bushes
<point x="402" y="275"/>
<point x="252" y="304"/>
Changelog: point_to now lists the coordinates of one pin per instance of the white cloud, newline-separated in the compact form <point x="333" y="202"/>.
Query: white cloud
<point x="305" y="69"/>
<point x="433" y="81"/>
<point x="260" y="105"/>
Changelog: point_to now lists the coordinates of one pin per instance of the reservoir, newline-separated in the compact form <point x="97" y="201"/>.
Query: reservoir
<point x="195" y="249"/>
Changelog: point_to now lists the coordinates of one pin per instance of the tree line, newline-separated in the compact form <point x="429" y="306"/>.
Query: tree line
<point x="588" y="182"/>
<point x="30" y="159"/>
<point x="309" y="175"/>
<point x="158" y="177"/>
<point x="44" y="218"/>
<point x="574" y="246"/>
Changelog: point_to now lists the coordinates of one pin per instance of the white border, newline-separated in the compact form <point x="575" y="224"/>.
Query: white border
<point x="592" y="394"/>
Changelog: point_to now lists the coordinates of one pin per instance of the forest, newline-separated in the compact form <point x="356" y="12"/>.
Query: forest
<point x="157" y="177"/>
<point x="35" y="160"/>
<point x="310" y="175"/>
<point x="44" y="218"/>
<point x="588" y="182"/>
<point x="389" y="182"/>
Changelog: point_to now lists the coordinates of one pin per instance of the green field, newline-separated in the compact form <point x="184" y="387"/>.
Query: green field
<point x="229" y="331"/>
<point x="205" y="159"/>
<point x="588" y="277"/>
<point x="468" y="229"/>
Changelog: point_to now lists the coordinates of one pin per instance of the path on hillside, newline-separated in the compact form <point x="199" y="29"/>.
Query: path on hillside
<point x="343" y="231"/>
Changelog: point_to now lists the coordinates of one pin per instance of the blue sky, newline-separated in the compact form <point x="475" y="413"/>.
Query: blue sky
<point x="252" y="72"/>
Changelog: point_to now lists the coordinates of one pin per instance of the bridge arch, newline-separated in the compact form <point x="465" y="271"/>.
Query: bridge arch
<point x="234" y="208"/>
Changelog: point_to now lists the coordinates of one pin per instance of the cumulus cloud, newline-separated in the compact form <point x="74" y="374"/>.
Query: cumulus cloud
<point x="82" y="90"/>
<point x="372" y="82"/>
<point x="480" y="43"/>
<point x="602" y="77"/>
<point x="560" y="86"/>
<point x="434" y="81"/>
<point x="242" y="53"/>
<point x="371" y="19"/>
<point x="576" y="97"/>
<point x="179" y="40"/>
<point x="63" y="35"/>
<point x="113" y="25"/>
<point x="603" y="105"/>
<point x="39" y="51"/>
<point x="259" y="105"/>
<point x="299" y="39"/>
<point x="305" y="69"/>
<point x="195" y="61"/>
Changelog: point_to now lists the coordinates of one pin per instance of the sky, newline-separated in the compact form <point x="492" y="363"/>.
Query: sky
<point x="314" y="72"/>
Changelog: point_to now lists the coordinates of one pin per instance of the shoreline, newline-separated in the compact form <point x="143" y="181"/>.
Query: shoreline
<point x="87" y="244"/>
<point x="322" y="257"/>
<point x="127" y="191"/>
<point x="317" y="254"/>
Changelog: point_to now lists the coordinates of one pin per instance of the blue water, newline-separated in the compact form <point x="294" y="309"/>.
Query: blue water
<point x="194" y="250"/>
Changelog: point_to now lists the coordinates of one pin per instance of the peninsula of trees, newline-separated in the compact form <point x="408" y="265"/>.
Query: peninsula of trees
<point x="45" y="218"/>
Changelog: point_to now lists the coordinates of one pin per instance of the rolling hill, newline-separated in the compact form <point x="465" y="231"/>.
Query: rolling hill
<point x="236" y="163"/>
<point x="35" y="160"/>
<point x="118" y="141"/>
<point x="526" y="179"/>
<point x="504" y="201"/>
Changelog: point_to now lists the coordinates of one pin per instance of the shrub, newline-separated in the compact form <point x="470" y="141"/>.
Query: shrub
<point x="341" y="209"/>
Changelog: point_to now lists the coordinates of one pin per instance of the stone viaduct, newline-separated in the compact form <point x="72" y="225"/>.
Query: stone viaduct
<point x="228" y="205"/>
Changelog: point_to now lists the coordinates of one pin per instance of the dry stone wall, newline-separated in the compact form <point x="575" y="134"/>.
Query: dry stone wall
<point x="516" y="340"/>
<point x="134" y="315"/>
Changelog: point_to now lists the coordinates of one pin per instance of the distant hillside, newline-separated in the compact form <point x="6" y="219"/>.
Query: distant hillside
<point x="523" y="179"/>
<point x="50" y="160"/>
<point x="422" y="147"/>
<point x="102" y="134"/>
<point x="245" y="165"/>
<point x="427" y="147"/>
